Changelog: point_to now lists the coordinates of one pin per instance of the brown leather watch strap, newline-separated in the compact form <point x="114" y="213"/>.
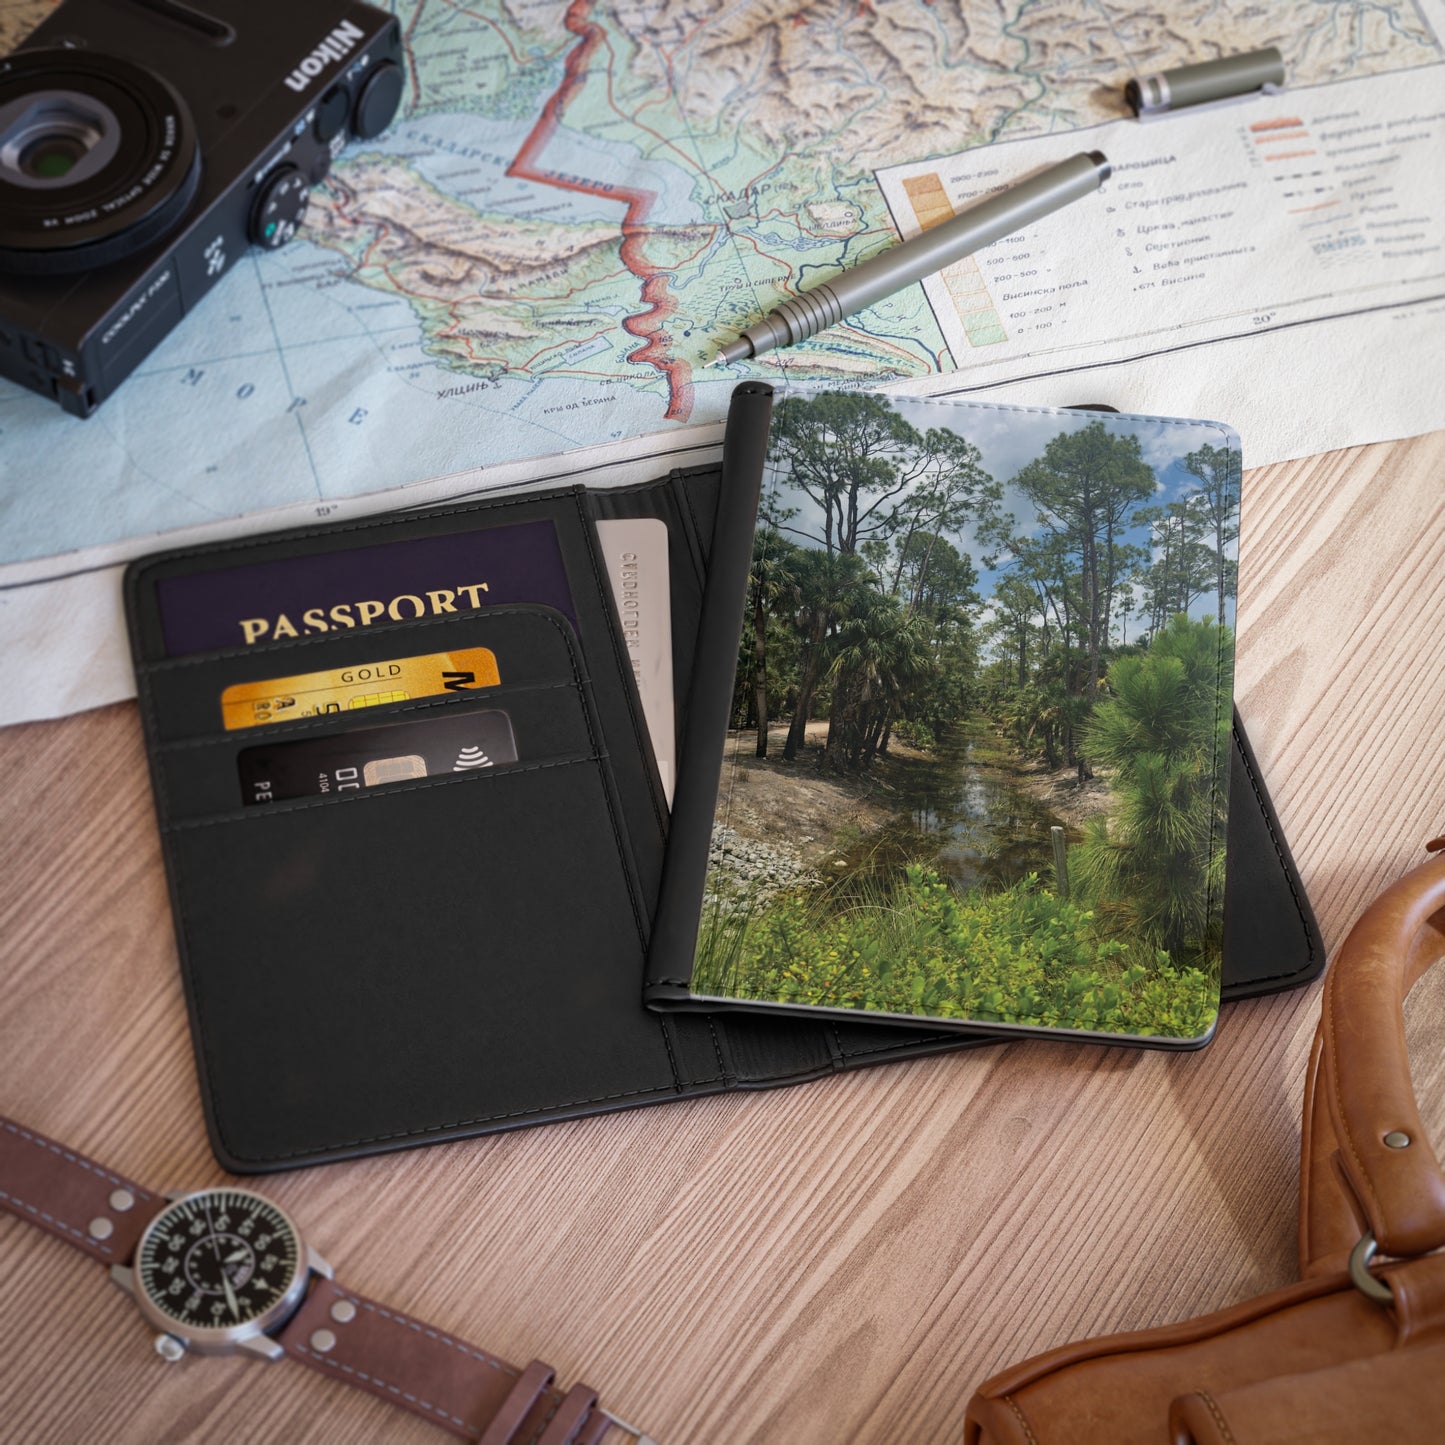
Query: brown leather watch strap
<point x="443" y="1379"/>
<point x="57" y="1189"/>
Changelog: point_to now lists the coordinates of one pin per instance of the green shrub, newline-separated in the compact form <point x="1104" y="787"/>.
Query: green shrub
<point x="918" y="946"/>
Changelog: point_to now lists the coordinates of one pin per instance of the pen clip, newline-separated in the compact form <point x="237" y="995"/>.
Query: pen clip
<point x="1148" y="117"/>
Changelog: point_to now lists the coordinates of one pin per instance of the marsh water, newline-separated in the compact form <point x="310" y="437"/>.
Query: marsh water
<point x="963" y="812"/>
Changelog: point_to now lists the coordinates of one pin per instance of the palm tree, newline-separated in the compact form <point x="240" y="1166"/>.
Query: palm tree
<point x="1156" y="864"/>
<point x="1217" y="470"/>
<point x="879" y="656"/>
<point x="774" y="583"/>
<point x="826" y="585"/>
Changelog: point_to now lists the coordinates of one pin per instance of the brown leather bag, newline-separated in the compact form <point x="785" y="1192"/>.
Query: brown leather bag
<point x="1348" y="1353"/>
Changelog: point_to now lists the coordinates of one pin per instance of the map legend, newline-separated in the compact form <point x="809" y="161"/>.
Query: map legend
<point x="963" y="280"/>
<point x="1332" y="208"/>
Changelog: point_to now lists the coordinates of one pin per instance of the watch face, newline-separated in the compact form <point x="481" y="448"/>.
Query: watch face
<point x="218" y="1259"/>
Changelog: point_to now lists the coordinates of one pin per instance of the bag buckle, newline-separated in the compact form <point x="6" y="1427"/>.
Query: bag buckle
<point x="1360" y="1276"/>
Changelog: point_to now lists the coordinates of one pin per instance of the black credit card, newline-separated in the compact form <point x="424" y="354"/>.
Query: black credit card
<point x="373" y="757"/>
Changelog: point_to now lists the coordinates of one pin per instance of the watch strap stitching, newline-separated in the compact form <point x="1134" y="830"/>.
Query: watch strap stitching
<point x="571" y="1415"/>
<point x="553" y="1407"/>
<point x="88" y="1240"/>
<point x="377" y="1381"/>
<point x="521" y="1400"/>
<point x="406" y="1321"/>
<point x="295" y="1340"/>
<point x="89" y="1166"/>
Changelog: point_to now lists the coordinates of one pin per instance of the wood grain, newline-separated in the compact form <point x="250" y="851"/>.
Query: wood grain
<point x="840" y="1261"/>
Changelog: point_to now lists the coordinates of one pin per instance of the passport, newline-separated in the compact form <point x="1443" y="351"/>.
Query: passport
<point x="360" y="587"/>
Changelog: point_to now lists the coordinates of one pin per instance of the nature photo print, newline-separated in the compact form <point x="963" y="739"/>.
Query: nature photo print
<point x="978" y="760"/>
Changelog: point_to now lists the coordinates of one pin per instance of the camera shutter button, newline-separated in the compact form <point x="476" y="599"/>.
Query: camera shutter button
<point x="280" y="204"/>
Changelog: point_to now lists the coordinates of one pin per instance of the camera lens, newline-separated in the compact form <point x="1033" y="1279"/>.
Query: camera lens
<point x="56" y="136"/>
<point x="98" y="159"/>
<point x="54" y="155"/>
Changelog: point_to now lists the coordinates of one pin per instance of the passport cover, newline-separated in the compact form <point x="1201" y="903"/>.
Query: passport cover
<point x="425" y="964"/>
<point x="1042" y="848"/>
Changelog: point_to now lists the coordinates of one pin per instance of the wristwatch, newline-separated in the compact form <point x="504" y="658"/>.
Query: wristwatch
<point x="225" y="1271"/>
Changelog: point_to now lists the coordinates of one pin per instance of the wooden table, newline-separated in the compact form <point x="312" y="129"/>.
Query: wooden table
<point x="838" y="1261"/>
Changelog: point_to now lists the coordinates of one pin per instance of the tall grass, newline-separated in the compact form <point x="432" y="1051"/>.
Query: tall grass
<point x="911" y="944"/>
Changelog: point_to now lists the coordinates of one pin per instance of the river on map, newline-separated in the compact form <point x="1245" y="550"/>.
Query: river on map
<point x="962" y="811"/>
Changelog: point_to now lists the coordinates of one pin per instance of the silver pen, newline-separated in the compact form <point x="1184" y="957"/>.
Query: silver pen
<point x="829" y="302"/>
<point x="1259" y="72"/>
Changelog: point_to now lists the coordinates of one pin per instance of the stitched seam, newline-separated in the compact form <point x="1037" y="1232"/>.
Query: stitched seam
<point x="84" y="1237"/>
<point x="377" y="1383"/>
<point x="624" y="854"/>
<point x="406" y="1322"/>
<point x="911" y="1044"/>
<point x="683" y="492"/>
<point x="722" y="1067"/>
<point x="1219" y="1419"/>
<point x="1023" y="1422"/>
<point x="88" y="1165"/>
<point x="546" y="1419"/>
<point x="1334" y="1074"/>
<point x="88" y="1240"/>
<point x="540" y="1109"/>
<point x="671" y="1057"/>
<point x="256" y="815"/>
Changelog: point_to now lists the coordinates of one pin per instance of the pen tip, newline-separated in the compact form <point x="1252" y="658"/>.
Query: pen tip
<point x="716" y="361"/>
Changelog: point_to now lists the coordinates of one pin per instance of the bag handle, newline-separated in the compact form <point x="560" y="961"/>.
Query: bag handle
<point x="1368" y="1176"/>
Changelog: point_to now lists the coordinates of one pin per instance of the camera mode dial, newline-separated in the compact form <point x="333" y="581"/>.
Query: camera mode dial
<point x="280" y="205"/>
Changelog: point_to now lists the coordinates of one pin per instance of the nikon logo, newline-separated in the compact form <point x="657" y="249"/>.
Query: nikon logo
<point x="337" y="46"/>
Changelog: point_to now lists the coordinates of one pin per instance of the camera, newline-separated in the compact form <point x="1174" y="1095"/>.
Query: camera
<point x="145" y="144"/>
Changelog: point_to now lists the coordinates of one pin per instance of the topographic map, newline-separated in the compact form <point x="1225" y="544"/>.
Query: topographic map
<point x="578" y="202"/>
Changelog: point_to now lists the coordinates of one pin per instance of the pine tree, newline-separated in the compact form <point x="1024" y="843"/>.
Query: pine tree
<point x="1218" y="472"/>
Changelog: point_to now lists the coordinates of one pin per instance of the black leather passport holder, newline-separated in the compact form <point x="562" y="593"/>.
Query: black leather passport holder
<point x="465" y="953"/>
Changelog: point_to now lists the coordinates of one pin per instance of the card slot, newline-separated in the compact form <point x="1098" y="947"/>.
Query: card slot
<point x="396" y="977"/>
<point x="288" y="806"/>
<point x="354" y="719"/>
<point x="530" y="643"/>
<point x="543" y="723"/>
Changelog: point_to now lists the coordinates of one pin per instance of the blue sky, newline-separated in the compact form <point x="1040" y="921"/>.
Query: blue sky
<point x="1008" y="438"/>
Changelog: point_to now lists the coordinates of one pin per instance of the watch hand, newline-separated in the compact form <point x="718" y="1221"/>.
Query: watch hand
<point x="225" y="1279"/>
<point x="236" y="1258"/>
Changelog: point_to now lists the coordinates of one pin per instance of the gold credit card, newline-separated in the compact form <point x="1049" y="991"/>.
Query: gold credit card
<point x="346" y="689"/>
